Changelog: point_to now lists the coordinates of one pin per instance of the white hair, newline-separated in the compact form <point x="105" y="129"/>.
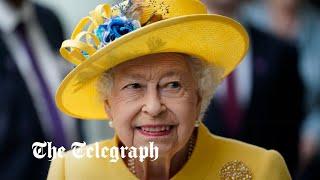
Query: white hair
<point x="207" y="76"/>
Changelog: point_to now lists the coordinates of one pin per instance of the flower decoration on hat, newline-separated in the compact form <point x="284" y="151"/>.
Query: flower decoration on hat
<point x="107" y="23"/>
<point x="114" y="28"/>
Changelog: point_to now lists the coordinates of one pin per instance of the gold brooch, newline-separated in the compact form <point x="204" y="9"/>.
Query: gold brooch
<point x="235" y="170"/>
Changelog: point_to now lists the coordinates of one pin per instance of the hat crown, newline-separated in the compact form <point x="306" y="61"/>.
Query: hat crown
<point x="107" y="23"/>
<point x="165" y="9"/>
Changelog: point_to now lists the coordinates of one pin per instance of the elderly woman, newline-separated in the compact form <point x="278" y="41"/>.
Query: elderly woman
<point x="151" y="68"/>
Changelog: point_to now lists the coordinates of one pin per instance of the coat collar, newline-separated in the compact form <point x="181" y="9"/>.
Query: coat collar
<point x="191" y="169"/>
<point x="198" y="166"/>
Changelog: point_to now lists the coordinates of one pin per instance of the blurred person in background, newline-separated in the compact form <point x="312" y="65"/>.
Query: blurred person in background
<point x="315" y="3"/>
<point x="264" y="93"/>
<point x="298" y="22"/>
<point x="29" y="39"/>
<point x="311" y="170"/>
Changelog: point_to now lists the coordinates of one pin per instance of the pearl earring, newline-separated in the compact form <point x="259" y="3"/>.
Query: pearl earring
<point x="197" y="123"/>
<point x="110" y="123"/>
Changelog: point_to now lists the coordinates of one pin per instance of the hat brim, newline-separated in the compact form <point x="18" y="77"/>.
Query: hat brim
<point x="216" y="39"/>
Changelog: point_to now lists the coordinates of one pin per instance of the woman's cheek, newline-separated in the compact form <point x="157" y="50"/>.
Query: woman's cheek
<point x="185" y="114"/>
<point x="124" y="120"/>
<point x="184" y="110"/>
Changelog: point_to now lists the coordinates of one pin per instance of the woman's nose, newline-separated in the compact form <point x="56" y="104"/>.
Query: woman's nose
<point x="152" y="103"/>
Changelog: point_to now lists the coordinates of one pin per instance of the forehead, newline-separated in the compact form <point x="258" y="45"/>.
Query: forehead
<point x="154" y="64"/>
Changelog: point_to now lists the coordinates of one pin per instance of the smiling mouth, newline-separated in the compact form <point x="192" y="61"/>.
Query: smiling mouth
<point x="155" y="130"/>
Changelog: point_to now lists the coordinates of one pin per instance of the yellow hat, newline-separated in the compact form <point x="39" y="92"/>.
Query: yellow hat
<point x="133" y="28"/>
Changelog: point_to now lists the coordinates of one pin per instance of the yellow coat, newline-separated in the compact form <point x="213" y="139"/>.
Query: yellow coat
<point x="213" y="158"/>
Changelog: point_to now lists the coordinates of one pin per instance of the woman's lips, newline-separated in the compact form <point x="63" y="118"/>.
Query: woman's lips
<point x="155" y="130"/>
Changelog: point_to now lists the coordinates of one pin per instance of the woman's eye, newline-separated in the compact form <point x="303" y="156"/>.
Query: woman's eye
<point x="174" y="85"/>
<point x="133" y="86"/>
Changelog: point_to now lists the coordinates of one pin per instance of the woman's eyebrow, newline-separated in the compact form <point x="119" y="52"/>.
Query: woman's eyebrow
<point x="134" y="75"/>
<point x="171" y="73"/>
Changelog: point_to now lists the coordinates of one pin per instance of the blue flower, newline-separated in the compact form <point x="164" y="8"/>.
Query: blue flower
<point x="85" y="54"/>
<point x="114" y="28"/>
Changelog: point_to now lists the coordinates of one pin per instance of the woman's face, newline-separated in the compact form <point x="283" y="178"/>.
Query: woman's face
<point x="154" y="99"/>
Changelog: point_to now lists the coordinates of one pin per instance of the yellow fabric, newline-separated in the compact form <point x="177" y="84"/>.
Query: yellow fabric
<point x="186" y="28"/>
<point x="210" y="154"/>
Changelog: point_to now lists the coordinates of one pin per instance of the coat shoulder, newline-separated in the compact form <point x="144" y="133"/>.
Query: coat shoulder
<point x="84" y="160"/>
<point x="256" y="162"/>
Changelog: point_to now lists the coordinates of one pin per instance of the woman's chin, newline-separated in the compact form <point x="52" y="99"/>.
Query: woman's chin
<point x="162" y="147"/>
<point x="165" y="140"/>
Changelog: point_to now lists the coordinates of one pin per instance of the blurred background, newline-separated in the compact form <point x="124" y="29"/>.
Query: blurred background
<point x="272" y="100"/>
